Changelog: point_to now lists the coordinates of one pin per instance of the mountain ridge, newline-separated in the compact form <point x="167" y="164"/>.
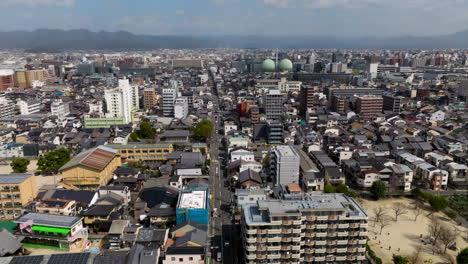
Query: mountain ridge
<point x="83" y="39"/>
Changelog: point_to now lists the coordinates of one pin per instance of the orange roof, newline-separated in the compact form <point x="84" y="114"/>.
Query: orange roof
<point x="294" y="188"/>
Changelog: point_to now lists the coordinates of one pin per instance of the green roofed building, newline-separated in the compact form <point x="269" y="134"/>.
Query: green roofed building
<point x="59" y="232"/>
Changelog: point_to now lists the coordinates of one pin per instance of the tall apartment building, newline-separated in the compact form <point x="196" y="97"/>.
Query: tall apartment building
<point x="392" y="103"/>
<point x="369" y="106"/>
<point x="122" y="101"/>
<point x="16" y="191"/>
<point x="316" y="228"/>
<point x="284" y="165"/>
<point x="28" y="107"/>
<point x="254" y="114"/>
<point x="339" y="104"/>
<point x="307" y="98"/>
<point x="7" y="79"/>
<point x="27" y="78"/>
<point x="273" y="101"/>
<point x="181" y="108"/>
<point x="150" y="98"/>
<point x="169" y="96"/>
<point x="274" y="132"/>
<point x="7" y="108"/>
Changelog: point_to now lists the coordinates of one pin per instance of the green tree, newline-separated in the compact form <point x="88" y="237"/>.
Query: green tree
<point x="203" y="130"/>
<point x="52" y="161"/>
<point x="342" y="188"/>
<point x="19" y="165"/>
<point x="438" y="202"/>
<point x="329" y="188"/>
<point x="462" y="257"/>
<point x="146" y="131"/>
<point x="378" y="190"/>
<point x="133" y="136"/>
<point x="400" y="260"/>
<point x="416" y="193"/>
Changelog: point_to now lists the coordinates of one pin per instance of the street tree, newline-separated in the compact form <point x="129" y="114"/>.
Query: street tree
<point x="435" y="229"/>
<point x="378" y="190"/>
<point x="203" y="130"/>
<point x="397" y="259"/>
<point x="383" y="222"/>
<point x="417" y="211"/>
<point x="438" y="202"/>
<point x="448" y="236"/>
<point x="19" y="165"/>
<point x="399" y="209"/>
<point x="379" y="213"/>
<point x="53" y="161"/>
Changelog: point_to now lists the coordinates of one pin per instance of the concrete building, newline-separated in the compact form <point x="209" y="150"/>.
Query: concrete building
<point x="273" y="102"/>
<point x="150" y="98"/>
<point x="307" y="98"/>
<point x="122" y="101"/>
<point x="279" y="84"/>
<point x="136" y="152"/>
<point x="7" y="79"/>
<point x="7" y="108"/>
<point x="254" y="115"/>
<point x="339" y="104"/>
<point x="392" y="103"/>
<point x="181" y="108"/>
<point x="16" y="191"/>
<point x="59" y="109"/>
<point x="369" y="106"/>
<point x="169" y="96"/>
<point x="326" y="228"/>
<point x="193" y="205"/>
<point x="274" y="132"/>
<point x="284" y="165"/>
<point x="28" y="107"/>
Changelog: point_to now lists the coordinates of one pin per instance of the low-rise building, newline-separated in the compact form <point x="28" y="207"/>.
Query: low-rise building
<point x="16" y="191"/>
<point x="137" y="152"/>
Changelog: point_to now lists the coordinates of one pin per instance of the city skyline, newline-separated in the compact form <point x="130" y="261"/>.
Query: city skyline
<point x="376" y="18"/>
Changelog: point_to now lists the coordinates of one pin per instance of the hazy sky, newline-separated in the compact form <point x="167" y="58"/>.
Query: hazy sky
<point x="267" y="17"/>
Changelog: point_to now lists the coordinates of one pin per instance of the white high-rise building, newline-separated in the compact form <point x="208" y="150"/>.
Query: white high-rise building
<point x="169" y="98"/>
<point x="28" y="107"/>
<point x="284" y="164"/>
<point x="181" y="108"/>
<point x="122" y="101"/>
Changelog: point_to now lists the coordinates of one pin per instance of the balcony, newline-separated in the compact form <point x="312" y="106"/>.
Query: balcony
<point x="296" y="256"/>
<point x="366" y="225"/>
<point x="343" y="226"/>
<point x="296" y="247"/>
<point x="251" y="256"/>
<point x="296" y="239"/>
<point x="309" y="243"/>
<point x="353" y="233"/>
<point x="251" y="240"/>
<point x="296" y="231"/>
<point x="354" y="225"/>
<point x="340" y="258"/>
<point x="286" y="239"/>
<point x="341" y="250"/>
<point x="331" y="250"/>
<point x="274" y="239"/>
<point x="274" y="231"/>
<point x="287" y="222"/>
<point x="353" y="242"/>
<point x="351" y="250"/>
<point x="362" y="241"/>
<point x="331" y="242"/>
<point x="297" y="222"/>
<point x="321" y="242"/>
<point x="318" y="259"/>
<point x="361" y="250"/>
<point x="350" y="258"/>
<point x="342" y="242"/>
<point x="322" y="218"/>
<point x="309" y="251"/>
<point x="362" y="233"/>
<point x="286" y="247"/>
<point x="310" y="226"/>
<point x="332" y="226"/>
<point x="361" y="257"/>
<point x="261" y="240"/>
<point x="261" y="232"/>
<point x="332" y="234"/>
<point x="261" y="248"/>
<point x="251" y="231"/>
<point x="273" y="256"/>
<point x="333" y="217"/>
<point x="251" y="248"/>
<point x="311" y="218"/>
<point x="309" y="234"/>
<point x="261" y="256"/>
<point x="323" y="234"/>
<point x="286" y="231"/>
<point x="309" y="259"/>
<point x="320" y="250"/>
<point x="331" y="258"/>
<point x="275" y="222"/>
<point x="273" y="248"/>
<point x="342" y="234"/>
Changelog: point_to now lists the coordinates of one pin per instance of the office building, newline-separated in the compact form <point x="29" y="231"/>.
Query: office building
<point x="284" y="165"/>
<point x="314" y="228"/>
<point x="16" y="191"/>
<point x="273" y="101"/>
<point x="274" y="132"/>
<point x="28" y="107"/>
<point x="122" y="101"/>
<point x="150" y="98"/>
<point x="59" y="109"/>
<point x="353" y="91"/>
<point x="392" y="103"/>
<point x="369" y="106"/>
<point x="254" y="114"/>
<point x="7" y="79"/>
<point x="193" y="205"/>
<point x="85" y="69"/>
<point x="181" y="108"/>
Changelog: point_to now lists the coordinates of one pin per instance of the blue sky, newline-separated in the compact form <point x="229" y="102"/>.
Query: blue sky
<point x="241" y="17"/>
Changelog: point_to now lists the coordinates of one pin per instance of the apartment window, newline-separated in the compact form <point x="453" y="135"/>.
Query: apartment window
<point x="181" y="260"/>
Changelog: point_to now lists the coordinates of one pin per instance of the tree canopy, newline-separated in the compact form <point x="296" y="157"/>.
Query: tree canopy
<point x="204" y="129"/>
<point x="462" y="257"/>
<point x="53" y="160"/>
<point x="19" y="165"/>
<point x="437" y="202"/>
<point x="378" y="190"/>
<point x="400" y="260"/>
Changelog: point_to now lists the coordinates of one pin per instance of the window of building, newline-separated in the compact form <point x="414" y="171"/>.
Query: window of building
<point x="190" y="258"/>
<point x="181" y="260"/>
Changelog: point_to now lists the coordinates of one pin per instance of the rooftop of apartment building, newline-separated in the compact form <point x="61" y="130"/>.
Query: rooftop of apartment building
<point x="14" y="178"/>
<point x="260" y="212"/>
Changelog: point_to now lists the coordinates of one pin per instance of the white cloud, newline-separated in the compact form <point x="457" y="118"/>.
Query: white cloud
<point x="35" y="3"/>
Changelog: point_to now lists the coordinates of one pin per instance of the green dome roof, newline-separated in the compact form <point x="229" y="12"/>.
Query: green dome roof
<point x="268" y="65"/>
<point x="285" y="66"/>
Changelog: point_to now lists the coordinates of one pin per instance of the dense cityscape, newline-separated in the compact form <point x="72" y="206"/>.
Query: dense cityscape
<point x="234" y="156"/>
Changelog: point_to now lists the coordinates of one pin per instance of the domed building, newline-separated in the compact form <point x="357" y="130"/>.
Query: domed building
<point x="285" y="66"/>
<point x="268" y="66"/>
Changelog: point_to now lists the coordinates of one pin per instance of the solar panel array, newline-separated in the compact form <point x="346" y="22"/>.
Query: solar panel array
<point x="78" y="258"/>
<point x="27" y="260"/>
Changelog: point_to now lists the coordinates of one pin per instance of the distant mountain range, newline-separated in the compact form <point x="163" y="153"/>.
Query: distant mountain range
<point x="47" y="40"/>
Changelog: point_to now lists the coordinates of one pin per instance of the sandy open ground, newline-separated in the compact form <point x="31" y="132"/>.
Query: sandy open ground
<point x="403" y="237"/>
